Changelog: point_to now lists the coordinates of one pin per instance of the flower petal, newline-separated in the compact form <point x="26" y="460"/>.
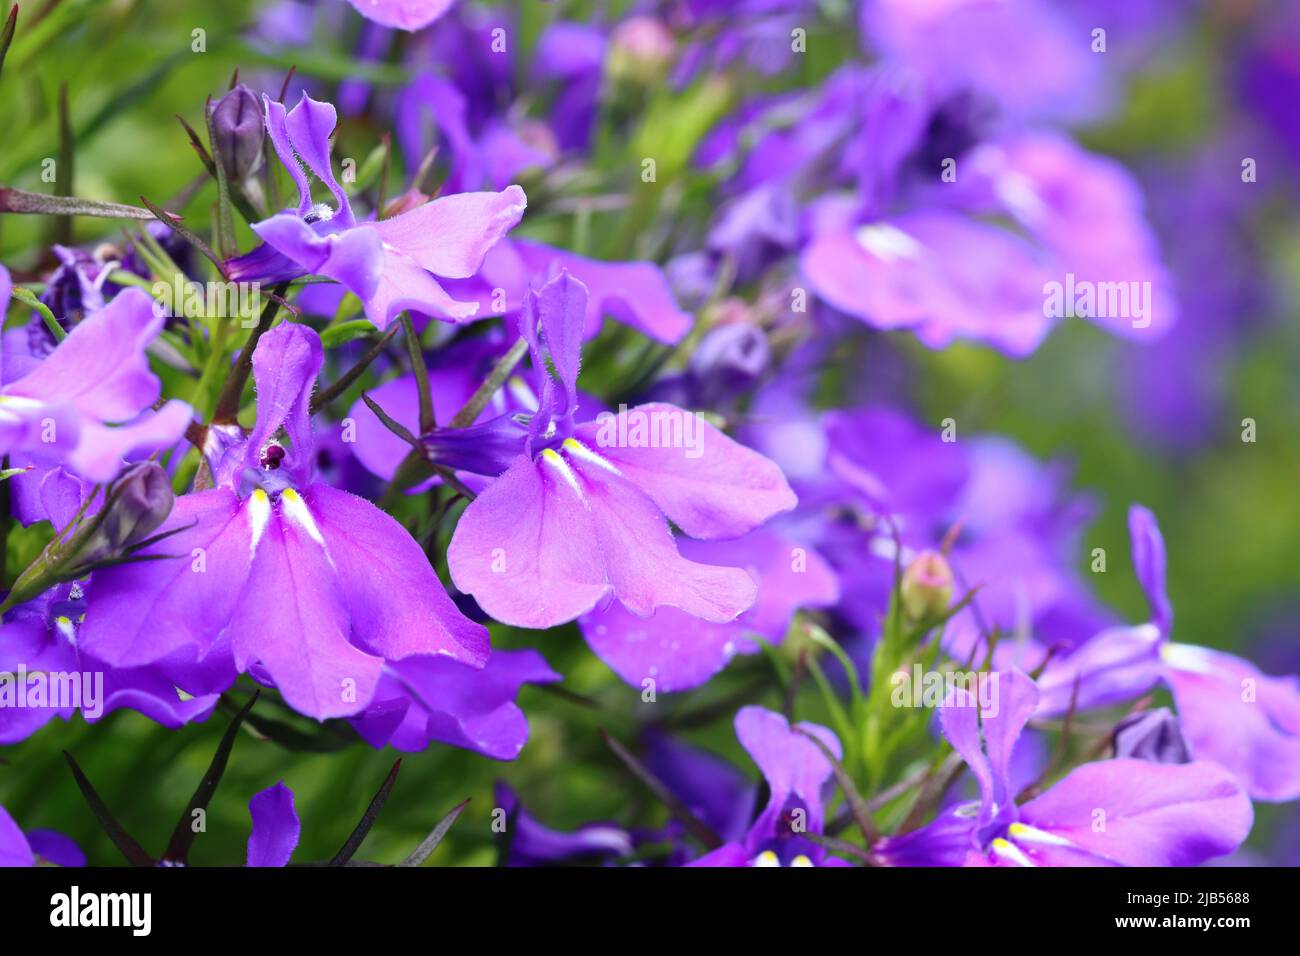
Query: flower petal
<point x="275" y="827"/>
<point x="450" y="235"/>
<point x="396" y="603"/>
<point x="709" y="485"/>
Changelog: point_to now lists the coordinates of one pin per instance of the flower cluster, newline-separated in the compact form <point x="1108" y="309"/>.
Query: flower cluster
<point x="501" y="362"/>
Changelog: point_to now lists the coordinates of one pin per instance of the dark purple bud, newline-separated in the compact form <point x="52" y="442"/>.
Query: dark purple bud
<point x="134" y="507"/>
<point x="1152" y="735"/>
<point x="138" y="502"/>
<point x="238" y="126"/>
<point x="729" y="359"/>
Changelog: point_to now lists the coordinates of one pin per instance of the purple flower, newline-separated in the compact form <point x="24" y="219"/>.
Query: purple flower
<point x="1115" y="812"/>
<point x="402" y="14"/>
<point x="578" y="517"/>
<point x="276" y="573"/>
<point x="532" y="843"/>
<point x="86" y="406"/>
<point x="797" y="774"/>
<point x="42" y="638"/>
<point x="1029" y="56"/>
<point x="391" y="264"/>
<point x="35" y="846"/>
<point x="423" y="699"/>
<point x="1231" y="713"/>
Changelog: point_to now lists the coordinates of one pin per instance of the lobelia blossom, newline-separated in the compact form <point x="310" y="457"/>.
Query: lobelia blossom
<point x="577" y="513"/>
<point x="1009" y="520"/>
<point x="535" y="844"/>
<point x="798" y="776"/>
<point x="391" y="264"/>
<point x="86" y="406"/>
<point x="42" y="637"/>
<point x="967" y="220"/>
<point x="35" y="846"/>
<point x="275" y="573"/>
<point x="1152" y="814"/>
<point x="423" y="699"/>
<point x="1229" y="711"/>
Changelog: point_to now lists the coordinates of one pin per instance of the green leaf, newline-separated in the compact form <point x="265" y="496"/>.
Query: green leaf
<point x="346" y="332"/>
<point x="39" y="204"/>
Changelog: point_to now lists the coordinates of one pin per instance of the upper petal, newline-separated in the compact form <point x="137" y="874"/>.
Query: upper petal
<point x="792" y="765"/>
<point x="635" y="293"/>
<point x="709" y="485"/>
<point x="450" y="235"/>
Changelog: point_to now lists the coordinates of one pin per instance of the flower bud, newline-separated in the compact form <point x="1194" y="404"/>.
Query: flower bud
<point x="135" y="505"/>
<point x="238" y="129"/>
<point x="729" y="359"/>
<point x="927" y="586"/>
<point x="1152" y="735"/>
<point x="640" y="48"/>
<point x="138" y="502"/>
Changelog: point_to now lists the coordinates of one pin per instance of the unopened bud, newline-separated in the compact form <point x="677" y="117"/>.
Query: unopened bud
<point x="927" y="586"/>
<point x="1152" y="735"/>
<point x="135" y="505"/>
<point x="729" y="359"/>
<point x="238" y="127"/>
<point x="138" y="503"/>
<point x="640" y="48"/>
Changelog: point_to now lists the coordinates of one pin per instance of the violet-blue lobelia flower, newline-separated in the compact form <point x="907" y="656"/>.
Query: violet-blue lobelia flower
<point x="35" y="846"/>
<point x="275" y="572"/>
<point x="391" y="264"/>
<point x="1230" y="712"/>
<point x="87" y="405"/>
<point x="1121" y="812"/>
<point x="39" y="644"/>
<point x="797" y="774"/>
<point x="970" y="220"/>
<point x="577" y="514"/>
<point x="424" y="699"/>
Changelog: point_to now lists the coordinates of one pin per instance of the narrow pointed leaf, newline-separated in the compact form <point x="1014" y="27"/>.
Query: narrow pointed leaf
<point x="183" y="836"/>
<point x="426" y="848"/>
<point x="22" y="202"/>
<point x="358" y="836"/>
<point x="133" y="851"/>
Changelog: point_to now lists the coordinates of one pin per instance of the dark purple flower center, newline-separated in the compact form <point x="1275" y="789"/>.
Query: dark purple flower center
<point x="271" y="456"/>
